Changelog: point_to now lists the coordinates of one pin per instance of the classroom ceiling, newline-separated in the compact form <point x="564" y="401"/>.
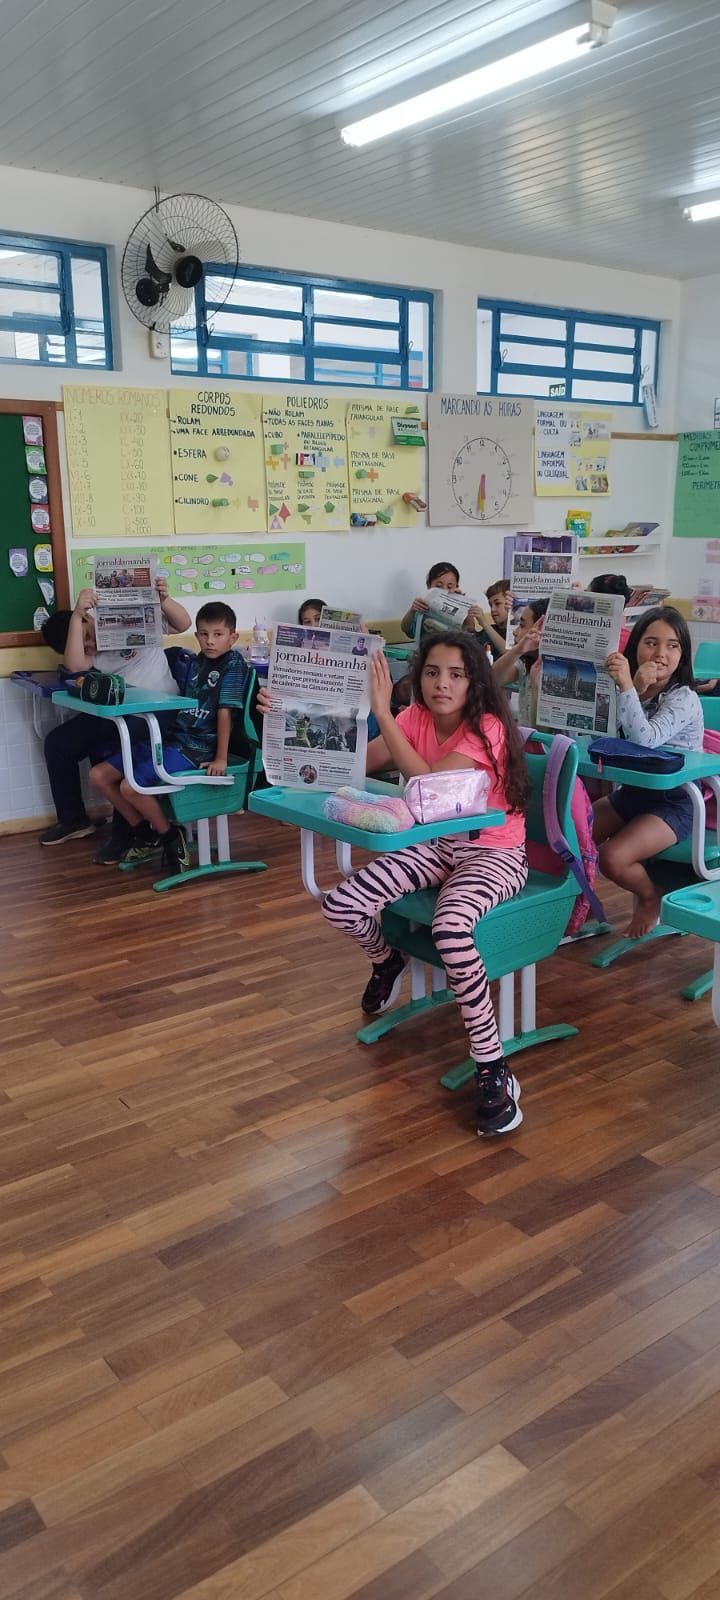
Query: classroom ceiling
<point x="243" y="99"/>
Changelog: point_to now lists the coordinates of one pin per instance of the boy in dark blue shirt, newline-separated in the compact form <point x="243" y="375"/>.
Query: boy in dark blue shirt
<point x="200" y="738"/>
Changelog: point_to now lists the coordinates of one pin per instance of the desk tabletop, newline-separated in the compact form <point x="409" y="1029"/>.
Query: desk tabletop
<point x="399" y="652"/>
<point x="136" y="702"/>
<point x="306" y="811"/>
<point x="694" y="909"/>
<point x="696" y="764"/>
<point x="42" y="684"/>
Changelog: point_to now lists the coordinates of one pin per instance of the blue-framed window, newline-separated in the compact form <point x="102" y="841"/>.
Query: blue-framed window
<point x="281" y="327"/>
<point x="54" y="303"/>
<point x="555" y="353"/>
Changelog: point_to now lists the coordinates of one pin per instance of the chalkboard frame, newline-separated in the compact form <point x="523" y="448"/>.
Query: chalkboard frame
<point x="46" y="409"/>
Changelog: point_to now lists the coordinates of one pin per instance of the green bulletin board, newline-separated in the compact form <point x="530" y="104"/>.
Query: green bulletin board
<point x="20" y="594"/>
<point x="697" y="486"/>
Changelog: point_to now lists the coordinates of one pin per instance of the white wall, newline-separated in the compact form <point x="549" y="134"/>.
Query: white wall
<point x="376" y="570"/>
<point x="698" y="384"/>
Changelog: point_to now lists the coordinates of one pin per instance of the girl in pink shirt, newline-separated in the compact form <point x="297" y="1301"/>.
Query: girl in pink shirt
<point x="460" y="719"/>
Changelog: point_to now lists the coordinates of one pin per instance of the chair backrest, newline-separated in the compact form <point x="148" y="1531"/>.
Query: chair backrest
<point x="535" y="822"/>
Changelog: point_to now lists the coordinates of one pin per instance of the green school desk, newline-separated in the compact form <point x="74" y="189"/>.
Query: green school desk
<point x="139" y="703"/>
<point x="696" y="909"/>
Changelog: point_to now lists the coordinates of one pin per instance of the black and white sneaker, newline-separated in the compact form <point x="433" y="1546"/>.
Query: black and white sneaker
<point x="498" y="1093"/>
<point x="175" y="853"/>
<point x="384" y="986"/>
<point x="60" y="832"/>
<point x="143" y="845"/>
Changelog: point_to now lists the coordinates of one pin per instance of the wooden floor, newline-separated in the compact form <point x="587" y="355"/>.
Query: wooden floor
<point x="273" y="1322"/>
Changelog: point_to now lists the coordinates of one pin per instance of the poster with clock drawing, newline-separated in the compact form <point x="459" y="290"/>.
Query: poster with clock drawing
<point x="480" y="460"/>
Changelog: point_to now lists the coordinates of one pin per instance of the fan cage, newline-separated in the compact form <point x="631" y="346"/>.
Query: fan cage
<point x="181" y="224"/>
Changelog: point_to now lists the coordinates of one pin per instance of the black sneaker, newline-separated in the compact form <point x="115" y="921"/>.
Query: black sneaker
<point x="384" y="986"/>
<point x="144" y="845"/>
<point x="111" y="852"/>
<point x="498" y="1093"/>
<point x="176" y="856"/>
<point x="61" y="831"/>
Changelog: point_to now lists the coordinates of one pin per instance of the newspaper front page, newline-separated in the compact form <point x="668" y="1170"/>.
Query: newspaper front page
<point x="447" y="608"/>
<point x="127" y="612"/>
<point x="576" y="693"/>
<point x="315" y="734"/>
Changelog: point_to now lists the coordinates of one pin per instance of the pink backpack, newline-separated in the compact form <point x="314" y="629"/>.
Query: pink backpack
<point x="711" y="742"/>
<point x="550" y="857"/>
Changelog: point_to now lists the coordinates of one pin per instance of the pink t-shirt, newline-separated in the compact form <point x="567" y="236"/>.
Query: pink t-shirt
<point x="419" y="730"/>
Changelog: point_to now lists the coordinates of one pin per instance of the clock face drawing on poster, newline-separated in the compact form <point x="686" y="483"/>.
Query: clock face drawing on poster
<point x="481" y="479"/>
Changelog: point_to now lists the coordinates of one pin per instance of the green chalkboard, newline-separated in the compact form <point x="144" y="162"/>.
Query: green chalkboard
<point x="20" y="594"/>
<point x="697" y="486"/>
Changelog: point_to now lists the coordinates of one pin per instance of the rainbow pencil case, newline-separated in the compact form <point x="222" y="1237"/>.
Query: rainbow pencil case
<point x="374" y="813"/>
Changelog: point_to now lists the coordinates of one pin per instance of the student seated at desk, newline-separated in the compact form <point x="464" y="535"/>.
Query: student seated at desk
<point x="460" y="720"/>
<point x="70" y="742"/>
<point x="198" y="739"/>
<point x="443" y="575"/>
<point x="657" y="705"/>
<point x="493" y="634"/>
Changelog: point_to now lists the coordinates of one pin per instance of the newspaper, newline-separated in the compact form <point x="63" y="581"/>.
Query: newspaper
<point x="331" y="617"/>
<point x="315" y="734"/>
<point x="448" y="608"/>
<point x="576" y="694"/>
<point x="127" y="612"/>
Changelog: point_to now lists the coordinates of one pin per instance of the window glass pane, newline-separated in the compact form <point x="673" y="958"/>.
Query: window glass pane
<point x="525" y="383"/>
<point x="594" y="389"/>
<point x="484" y="352"/>
<point x="87" y="290"/>
<point x="246" y="325"/>
<point x="419" y="341"/>
<point x="533" y="355"/>
<point x="338" y="303"/>
<point x="258" y="364"/>
<point x="604" y="333"/>
<point x="19" y="346"/>
<point x="30" y="303"/>
<point x="253" y="292"/>
<point x="363" y="338"/>
<point x="648" y="354"/>
<point x="369" y="374"/>
<point x="90" y="348"/>
<point x="603" y="361"/>
<point x="28" y="266"/>
<point x="529" y="327"/>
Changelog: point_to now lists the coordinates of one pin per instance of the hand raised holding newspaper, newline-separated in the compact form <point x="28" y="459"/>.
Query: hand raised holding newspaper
<point x="619" y="669"/>
<point x="381" y="686"/>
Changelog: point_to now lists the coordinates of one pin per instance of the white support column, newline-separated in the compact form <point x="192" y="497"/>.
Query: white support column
<point x="528" y="1015"/>
<point x="506" y="1006"/>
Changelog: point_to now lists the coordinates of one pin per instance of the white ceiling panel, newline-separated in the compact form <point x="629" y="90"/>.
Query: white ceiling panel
<point x="243" y="101"/>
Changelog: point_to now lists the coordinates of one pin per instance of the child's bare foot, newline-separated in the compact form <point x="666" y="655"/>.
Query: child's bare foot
<point x="645" y="917"/>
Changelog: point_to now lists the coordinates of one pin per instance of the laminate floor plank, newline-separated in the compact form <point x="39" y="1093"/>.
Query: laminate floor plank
<point x="275" y="1325"/>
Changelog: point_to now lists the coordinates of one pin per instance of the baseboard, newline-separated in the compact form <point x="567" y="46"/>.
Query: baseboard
<point x="34" y="824"/>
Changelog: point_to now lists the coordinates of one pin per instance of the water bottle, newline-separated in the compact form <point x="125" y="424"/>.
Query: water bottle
<point x="260" y="649"/>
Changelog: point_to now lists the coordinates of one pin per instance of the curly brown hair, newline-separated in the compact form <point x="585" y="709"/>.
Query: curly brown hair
<point x="485" y="697"/>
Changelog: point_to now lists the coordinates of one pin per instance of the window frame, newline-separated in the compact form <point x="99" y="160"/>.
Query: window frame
<point x="45" y="328"/>
<point x="568" y="372"/>
<point x="307" y="349"/>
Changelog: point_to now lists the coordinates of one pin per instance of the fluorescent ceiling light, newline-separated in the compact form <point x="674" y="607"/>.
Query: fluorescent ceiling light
<point x="702" y="210"/>
<point x="554" y="52"/>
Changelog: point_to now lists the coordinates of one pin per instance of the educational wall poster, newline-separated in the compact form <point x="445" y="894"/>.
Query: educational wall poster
<point x="118" y="462"/>
<point x="697" y="486"/>
<point x="384" y="476"/>
<point x="576" y="693"/>
<point x="209" y="570"/>
<point x="218" y="462"/>
<point x="572" y="450"/>
<point x="480" y="459"/>
<point x="305" y="463"/>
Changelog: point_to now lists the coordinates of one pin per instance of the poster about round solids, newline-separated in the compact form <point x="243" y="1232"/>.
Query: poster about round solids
<point x="218" y="462"/>
<point x="213" y="570"/>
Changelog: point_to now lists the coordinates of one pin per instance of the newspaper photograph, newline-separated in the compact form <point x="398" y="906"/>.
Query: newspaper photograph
<point x="448" y="609"/>
<point x="576" y="694"/>
<point x="331" y="617"/>
<point x="315" y="733"/>
<point x="535" y="577"/>
<point x="127" y="612"/>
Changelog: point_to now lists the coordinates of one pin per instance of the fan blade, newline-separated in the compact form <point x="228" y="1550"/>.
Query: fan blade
<point x="153" y="270"/>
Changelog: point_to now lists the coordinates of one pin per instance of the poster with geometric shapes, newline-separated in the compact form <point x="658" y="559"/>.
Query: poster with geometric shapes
<point x="305" y="463"/>
<point x="480" y="460"/>
<point x="218" y="462"/>
<point x="118" y="452"/>
<point x="380" y="470"/>
<point x="208" y="570"/>
<point x="572" y="451"/>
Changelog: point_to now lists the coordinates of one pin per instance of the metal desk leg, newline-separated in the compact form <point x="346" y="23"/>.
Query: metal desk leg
<point x="512" y="1042"/>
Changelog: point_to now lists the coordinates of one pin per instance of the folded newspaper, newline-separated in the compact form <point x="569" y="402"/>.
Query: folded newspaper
<point x="315" y="734"/>
<point x="576" y="693"/>
<point x="127" y="612"/>
<point x="447" y="609"/>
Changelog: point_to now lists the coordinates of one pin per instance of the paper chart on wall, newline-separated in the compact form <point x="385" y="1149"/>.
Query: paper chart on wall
<point x="208" y="570"/>
<point x="380" y="471"/>
<point x="697" y="486"/>
<point x="572" y="451"/>
<point x="480" y="460"/>
<point x="305" y="463"/>
<point x="217" y="462"/>
<point x="118" y="452"/>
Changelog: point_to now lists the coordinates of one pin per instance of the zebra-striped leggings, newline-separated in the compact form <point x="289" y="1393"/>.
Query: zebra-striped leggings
<point x="474" y="879"/>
